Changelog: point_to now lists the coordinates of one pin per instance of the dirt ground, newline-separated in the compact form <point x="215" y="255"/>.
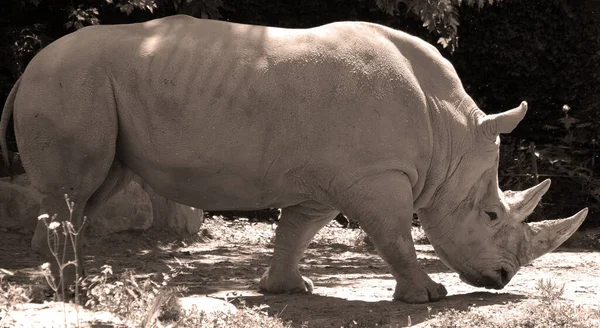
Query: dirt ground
<point x="352" y="284"/>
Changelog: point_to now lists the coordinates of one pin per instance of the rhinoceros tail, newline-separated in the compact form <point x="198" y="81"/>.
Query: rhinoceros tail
<point x="6" y="115"/>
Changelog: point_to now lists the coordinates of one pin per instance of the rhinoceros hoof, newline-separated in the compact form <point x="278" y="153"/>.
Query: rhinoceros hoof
<point x="413" y="293"/>
<point x="279" y="284"/>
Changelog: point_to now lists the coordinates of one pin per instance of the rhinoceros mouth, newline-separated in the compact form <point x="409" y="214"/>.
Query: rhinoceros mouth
<point x="491" y="279"/>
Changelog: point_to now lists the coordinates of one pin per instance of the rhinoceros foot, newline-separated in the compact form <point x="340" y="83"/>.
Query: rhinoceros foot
<point x="278" y="283"/>
<point x="415" y="292"/>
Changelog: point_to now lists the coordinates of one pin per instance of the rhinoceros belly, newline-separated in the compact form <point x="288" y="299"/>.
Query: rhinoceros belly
<point x="224" y="183"/>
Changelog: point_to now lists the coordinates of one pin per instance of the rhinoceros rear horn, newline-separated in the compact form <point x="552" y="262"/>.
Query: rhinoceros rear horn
<point x="505" y="122"/>
<point x="548" y="235"/>
<point x="522" y="203"/>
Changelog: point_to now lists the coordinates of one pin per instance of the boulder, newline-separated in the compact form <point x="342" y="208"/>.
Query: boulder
<point x="136" y="207"/>
<point x="19" y="204"/>
<point x="174" y="216"/>
<point x="55" y="314"/>
<point x="204" y="304"/>
<point x="129" y="209"/>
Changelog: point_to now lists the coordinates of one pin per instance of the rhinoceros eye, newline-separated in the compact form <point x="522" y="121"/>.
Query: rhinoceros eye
<point x="493" y="216"/>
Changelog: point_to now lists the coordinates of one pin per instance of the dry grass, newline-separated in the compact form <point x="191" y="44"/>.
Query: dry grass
<point x="253" y="317"/>
<point x="143" y="302"/>
<point x="10" y="296"/>
<point x="136" y="302"/>
<point x="549" y="310"/>
<point x="238" y="231"/>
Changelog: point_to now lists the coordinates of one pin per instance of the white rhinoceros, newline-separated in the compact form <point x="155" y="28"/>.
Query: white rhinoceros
<point x="350" y="116"/>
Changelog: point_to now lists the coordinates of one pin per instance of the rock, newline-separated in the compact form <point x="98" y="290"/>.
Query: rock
<point x="129" y="209"/>
<point x="174" y="216"/>
<point x="19" y="204"/>
<point x="204" y="304"/>
<point x="53" y="314"/>
<point x="136" y="207"/>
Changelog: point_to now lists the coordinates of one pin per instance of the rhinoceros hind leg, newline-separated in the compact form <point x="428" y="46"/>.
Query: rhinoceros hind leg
<point x="66" y="127"/>
<point x="297" y="226"/>
<point x="387" y="218"/>
<point x="118" y="178"/>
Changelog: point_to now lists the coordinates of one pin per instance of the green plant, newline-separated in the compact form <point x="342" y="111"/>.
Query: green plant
<point x="572" y="153"/>
<point x="70" y="235"/>
<point x="550" y="311"/>
<point x="245" y="317"/>
<point x="439" y="17"/>
<point x="138" y="302"/>
<point x="10" y="296"/>
<point x="549" y="291"/>
<point x="147" y="303"/>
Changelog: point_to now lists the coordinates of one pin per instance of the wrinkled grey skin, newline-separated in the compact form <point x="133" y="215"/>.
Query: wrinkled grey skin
<point x="351" y="117"/>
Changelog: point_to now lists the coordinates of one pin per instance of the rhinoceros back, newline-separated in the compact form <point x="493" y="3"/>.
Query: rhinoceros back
<point x="225" y="115"/>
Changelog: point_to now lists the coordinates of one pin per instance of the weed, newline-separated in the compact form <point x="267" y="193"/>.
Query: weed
<point x="550" y="311"/>
<point x="10" y="296"/>
<point x="253" y="317"/>
<point x="549" y="290"/>
<point x="53" y="236"/>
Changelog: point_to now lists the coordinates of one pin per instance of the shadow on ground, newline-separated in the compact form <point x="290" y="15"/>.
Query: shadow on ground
<point x="324" y="311"/>
<point x="209" y="266"/>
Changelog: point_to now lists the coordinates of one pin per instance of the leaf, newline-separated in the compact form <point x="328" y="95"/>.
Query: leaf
<point x="568" y="121"/>
<point x="550" y="127"/>
<point x="443" y="42"/>
<point x="4" y="271"/>
<point x="454" y="22"/>
<point x="387" y="6"/>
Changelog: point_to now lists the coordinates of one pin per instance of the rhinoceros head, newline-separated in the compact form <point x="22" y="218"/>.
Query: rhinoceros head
<point x="480" y="231"/>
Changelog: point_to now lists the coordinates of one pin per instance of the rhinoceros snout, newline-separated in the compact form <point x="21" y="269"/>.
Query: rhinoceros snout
<point x="497" y="279"/>
<point x="505" y="276"/>
<point x="492" y="279"/>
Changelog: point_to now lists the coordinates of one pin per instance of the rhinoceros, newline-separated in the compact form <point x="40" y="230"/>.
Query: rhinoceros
<point x="348" y="117"/>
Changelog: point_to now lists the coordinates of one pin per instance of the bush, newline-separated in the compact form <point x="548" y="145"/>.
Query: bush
<point x="540" y="52"/>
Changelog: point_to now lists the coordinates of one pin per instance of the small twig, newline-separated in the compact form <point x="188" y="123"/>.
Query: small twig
<point x="593" y="157"/>
<point x="534" y="162"/>
<point x="543" y="176"/>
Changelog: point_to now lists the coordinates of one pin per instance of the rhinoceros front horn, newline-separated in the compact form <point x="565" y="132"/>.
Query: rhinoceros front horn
<point x="548" y="235"/>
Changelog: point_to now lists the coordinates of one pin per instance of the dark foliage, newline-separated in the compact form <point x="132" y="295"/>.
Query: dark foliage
<point x="549" y="55"/>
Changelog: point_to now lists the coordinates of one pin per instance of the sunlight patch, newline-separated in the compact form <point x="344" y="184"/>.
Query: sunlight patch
<point x="149" y="45"/>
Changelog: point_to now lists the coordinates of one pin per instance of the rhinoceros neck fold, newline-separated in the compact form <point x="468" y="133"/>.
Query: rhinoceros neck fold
<point x="450" y="136"/>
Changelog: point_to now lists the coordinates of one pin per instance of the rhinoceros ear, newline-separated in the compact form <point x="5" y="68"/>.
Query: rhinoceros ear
<point x="505" y="122"/>
<point x="548" y="235"/>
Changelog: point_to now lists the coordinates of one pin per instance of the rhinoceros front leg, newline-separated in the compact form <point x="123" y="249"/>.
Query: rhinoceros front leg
<point x="297" y="226"/>
<point x="383" y="206"/>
